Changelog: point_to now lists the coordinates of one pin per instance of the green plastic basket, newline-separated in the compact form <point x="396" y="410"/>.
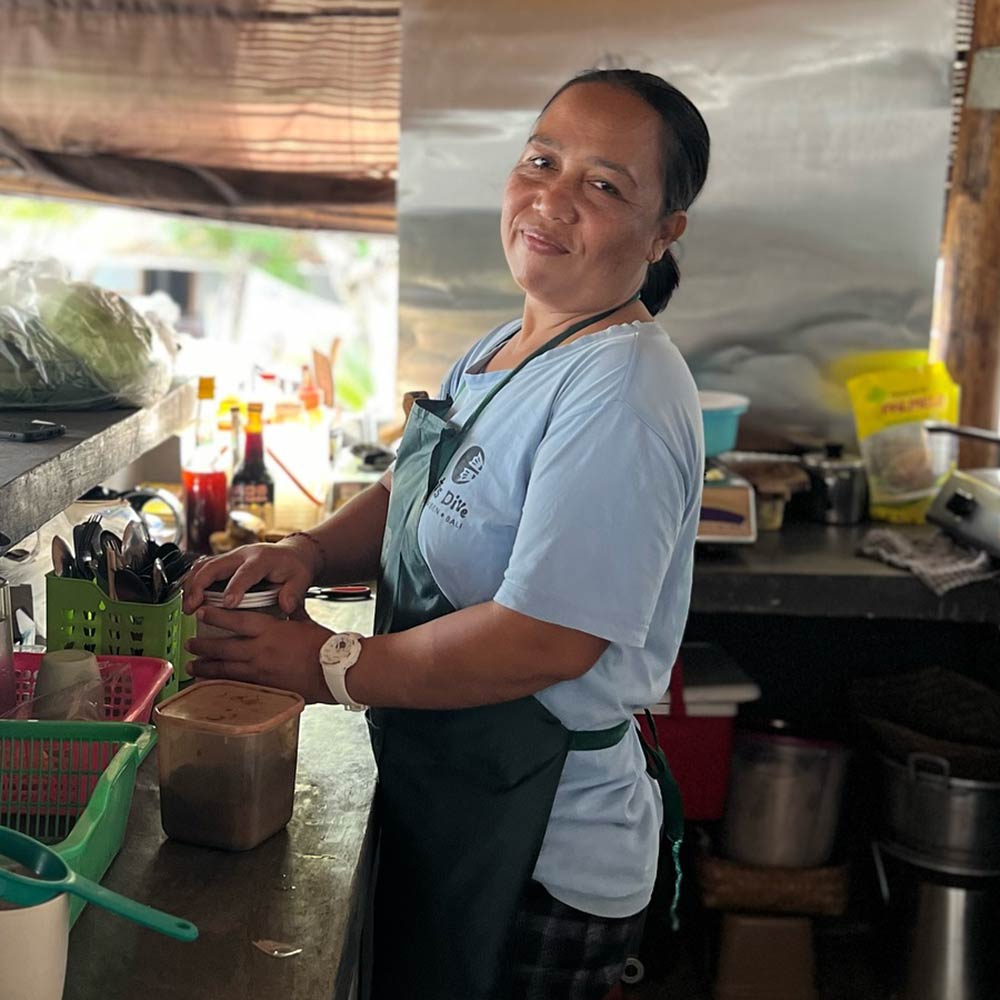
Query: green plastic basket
<point x="69" y="785"/>
<point x="80" y="616"/>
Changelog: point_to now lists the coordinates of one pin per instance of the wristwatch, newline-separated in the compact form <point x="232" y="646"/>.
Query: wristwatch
<point x="336" y="656"/>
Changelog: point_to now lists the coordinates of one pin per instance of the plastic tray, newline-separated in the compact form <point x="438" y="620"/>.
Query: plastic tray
<point x="70" y="784"/>
<point x="80" y="616"/>
<point x="128" y="696"/>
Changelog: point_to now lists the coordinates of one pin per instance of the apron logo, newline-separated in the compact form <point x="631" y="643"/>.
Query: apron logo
<point x="469" y="465"/>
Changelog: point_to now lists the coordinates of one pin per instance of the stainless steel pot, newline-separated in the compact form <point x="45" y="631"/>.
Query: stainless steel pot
<point x="839" y="490"/>
<point x="784" y="800"/>
<point x="939" y="822"/>
<point x="939" y="932"/>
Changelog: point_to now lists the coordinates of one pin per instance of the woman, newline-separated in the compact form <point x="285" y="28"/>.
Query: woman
<point x="534" y="548"/>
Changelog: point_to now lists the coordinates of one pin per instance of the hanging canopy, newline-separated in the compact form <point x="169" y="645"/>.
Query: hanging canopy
<point x="283" y="112"/>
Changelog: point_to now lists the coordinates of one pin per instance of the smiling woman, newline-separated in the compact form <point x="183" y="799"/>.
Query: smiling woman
<point x="531" y="594"/>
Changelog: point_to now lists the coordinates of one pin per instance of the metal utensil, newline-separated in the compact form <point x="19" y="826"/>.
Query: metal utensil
<point x="133" y="547"/>
<point x="131" y="587"/>
<point x="110" y="538"/>
<point x="158" y="580"/>
<point x="62" y="557"/>
<point x="175" y="565"/>
<point x="43" y="874"/>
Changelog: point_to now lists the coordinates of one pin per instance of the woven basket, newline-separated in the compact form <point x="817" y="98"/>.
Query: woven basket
<point x="726" y="885"/>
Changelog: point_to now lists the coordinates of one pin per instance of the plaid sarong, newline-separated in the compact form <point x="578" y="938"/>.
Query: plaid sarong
<point x="560" y="953"/>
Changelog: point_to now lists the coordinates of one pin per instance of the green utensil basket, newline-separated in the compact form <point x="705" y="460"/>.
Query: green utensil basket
<point x="80" y="616"/>
<point x="69" y="785"/>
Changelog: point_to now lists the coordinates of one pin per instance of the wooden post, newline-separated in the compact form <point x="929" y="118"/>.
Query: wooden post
<point x="966" y="327"/>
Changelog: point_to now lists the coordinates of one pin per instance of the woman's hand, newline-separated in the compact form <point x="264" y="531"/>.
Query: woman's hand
<point x="288" y="564"/>
<point x="270" y="651"/>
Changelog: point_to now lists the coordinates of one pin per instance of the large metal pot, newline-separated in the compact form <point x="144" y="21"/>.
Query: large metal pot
<point x="939" y="822"/>
<point x="784" y="800"/>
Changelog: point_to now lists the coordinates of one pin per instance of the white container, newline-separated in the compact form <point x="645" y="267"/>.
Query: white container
<point x="68" y="685"/>
<point x="33" y="945"/>
<point x="263" y="601"/>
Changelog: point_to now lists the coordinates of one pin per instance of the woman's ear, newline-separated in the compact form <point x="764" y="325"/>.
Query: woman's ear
<point x="671" y="230"/>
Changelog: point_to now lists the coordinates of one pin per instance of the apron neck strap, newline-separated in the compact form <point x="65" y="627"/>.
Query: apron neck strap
<point x="558" y="339"/>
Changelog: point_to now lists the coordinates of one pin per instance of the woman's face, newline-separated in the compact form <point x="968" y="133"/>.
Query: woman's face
<point x="583" y="207"/>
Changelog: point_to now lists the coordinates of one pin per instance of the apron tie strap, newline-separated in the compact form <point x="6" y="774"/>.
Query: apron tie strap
<point x="598" y="739"/>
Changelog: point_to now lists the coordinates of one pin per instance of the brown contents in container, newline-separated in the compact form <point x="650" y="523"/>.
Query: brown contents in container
<point x="227" y="755"/>
<point x="224" y="807"/>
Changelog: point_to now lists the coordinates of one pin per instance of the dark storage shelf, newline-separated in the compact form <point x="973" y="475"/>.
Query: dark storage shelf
<point x="40" y="479"/>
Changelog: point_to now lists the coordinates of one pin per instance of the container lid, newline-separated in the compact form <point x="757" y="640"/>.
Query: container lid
<point x="230" y="708"/>
<point x="263" y="594"/>
<point x="832" y="458"/>
<point x="711" y="399"/>
<point x="262" y="599"/>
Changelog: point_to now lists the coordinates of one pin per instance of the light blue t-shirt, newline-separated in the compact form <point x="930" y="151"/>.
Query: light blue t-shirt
<point x="575" y="500"/>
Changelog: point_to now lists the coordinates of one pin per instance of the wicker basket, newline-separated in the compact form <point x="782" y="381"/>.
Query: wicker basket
<point x="726" y="885"/>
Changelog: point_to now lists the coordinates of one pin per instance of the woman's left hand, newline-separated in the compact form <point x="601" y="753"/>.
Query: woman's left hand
<point x="274" y="652"/>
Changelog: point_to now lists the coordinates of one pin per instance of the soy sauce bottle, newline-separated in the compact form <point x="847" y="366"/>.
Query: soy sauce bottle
<point x="252" y="488"/>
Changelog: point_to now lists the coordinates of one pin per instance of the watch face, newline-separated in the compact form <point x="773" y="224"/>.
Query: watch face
<point x="340" y="647"/>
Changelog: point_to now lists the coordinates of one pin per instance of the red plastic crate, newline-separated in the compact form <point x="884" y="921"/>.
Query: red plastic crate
<point x="698" y="746"/>
<point x="128" y="696"/>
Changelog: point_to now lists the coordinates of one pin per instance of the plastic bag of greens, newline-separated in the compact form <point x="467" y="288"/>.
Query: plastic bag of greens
<point x="72" y="345"/>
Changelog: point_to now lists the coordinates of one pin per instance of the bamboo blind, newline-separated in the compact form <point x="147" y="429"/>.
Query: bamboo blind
<point x="272" y="111"/>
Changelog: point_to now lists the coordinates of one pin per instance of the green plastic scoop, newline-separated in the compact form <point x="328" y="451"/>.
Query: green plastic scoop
<point x="39" y="874"/>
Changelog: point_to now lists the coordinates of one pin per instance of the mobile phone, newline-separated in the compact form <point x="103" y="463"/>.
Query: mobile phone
<point x="21" y="429"/>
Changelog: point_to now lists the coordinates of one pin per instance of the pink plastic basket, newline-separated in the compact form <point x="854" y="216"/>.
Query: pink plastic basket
<point x="128" y="695"/>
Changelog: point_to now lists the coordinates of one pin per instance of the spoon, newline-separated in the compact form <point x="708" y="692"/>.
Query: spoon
<point x="48" y="875"/>
<point x="158" y="579"/>
<point x="130" y="586"/>
<point x="62" y="558"/>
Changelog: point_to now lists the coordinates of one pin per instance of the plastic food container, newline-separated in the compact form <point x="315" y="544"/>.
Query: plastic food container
<point x="227" y="763"/>
<point x="720" y="414"/>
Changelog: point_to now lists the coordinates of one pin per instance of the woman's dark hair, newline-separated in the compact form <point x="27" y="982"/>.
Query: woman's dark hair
<point x="685" y="159"/>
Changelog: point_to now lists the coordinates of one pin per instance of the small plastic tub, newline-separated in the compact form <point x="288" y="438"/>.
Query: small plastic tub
<point x="227" y="756"/>
<point x="720" y="414"/>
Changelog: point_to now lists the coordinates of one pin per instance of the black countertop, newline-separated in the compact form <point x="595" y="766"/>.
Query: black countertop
<point x="812" y="570"/>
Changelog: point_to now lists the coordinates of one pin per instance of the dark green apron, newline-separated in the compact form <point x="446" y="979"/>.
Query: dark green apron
<point x="465" y="794"/>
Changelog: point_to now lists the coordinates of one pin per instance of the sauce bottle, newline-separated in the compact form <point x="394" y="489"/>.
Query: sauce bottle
<point x="252" y="488"/>
<point x="203" y="478"/>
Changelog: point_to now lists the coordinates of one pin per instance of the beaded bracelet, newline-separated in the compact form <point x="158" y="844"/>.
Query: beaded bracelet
<point x="315" y="541"/>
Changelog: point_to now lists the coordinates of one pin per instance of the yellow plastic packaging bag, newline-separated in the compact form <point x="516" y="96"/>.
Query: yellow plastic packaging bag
<point x="906" y="466"/>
